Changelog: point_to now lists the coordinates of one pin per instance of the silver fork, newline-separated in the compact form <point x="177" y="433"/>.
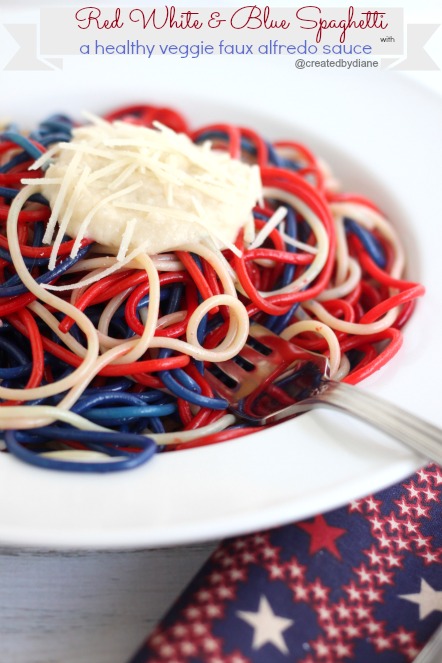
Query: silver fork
<point x="272" y="380"/>
<point x="432" y="652"/>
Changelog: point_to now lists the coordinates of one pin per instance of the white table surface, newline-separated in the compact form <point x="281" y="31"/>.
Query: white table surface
<point x="87" y="607"/>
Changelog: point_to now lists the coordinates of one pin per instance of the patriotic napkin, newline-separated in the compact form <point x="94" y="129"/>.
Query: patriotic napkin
<point x="361" y="583"/>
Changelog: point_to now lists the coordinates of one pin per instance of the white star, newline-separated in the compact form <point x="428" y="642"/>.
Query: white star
<point x="295" y="569"/>
<point x="199" y="629"/>
<point x="411" y="527"/>
<point x="362" y="612"/>
<point x="392" y="560"/>
<point x="267" y="626"/>
<point x="373" y="627"/>
<point x="363" y="574"/>
<point x="384" y="541"/>
<point x="394" y="524"/>
<point x="382" y="642"/>
<point x="421" y="542"/>
<point x="324" y="612"/>
<point x="429" y="556"/>
<point x="404" y="507"/>
<point x="187" y="648"/>
<point x="248" y="558"/>
<point x="430" y="494"/>
<point x="343" y="611"/>
<point x="402" y="544"/>
<point x="374" y="556"/>
<point x="412" y="652"/>
<point x="166" y="650"/>
<point x="300" y="592"/>
<point x="373" y="594"/>
<point x="372" y="504"/>
<point x="421" y="511"/>
<point x="179" y="630"/>
<point x="376" y="523"/>
<point x="213" y="610"/>
<point x="352" y="631"/>
<point x="225" y="592"/>
<point x="342" y="649"/>
<point x="319" y="591"/>
<point x="236" y="574"/>
<point x="332" y="630"/>
<point x="215" y="577"/>
<point x="276" y="571"/>
<point x="384" y="577"/>
<point x="321" y="648"/>
<point x="210" y="644"/>
<point x="404" y="636"/>
<point x="412" y="490"/>
<point x="428" y="599"/>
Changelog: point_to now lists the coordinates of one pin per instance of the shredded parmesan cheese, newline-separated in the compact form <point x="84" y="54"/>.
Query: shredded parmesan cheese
<point x="271" y="224"/>
<point x="130" y="187"/>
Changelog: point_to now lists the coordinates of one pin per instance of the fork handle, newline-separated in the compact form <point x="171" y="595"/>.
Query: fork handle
<point x="432" y="651"/>
<point x="412" y="431"/>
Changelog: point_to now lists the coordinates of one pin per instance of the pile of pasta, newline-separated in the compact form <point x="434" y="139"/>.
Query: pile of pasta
<point x="103" y="361"/>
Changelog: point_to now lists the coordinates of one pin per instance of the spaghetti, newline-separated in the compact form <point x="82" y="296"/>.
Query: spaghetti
<point x="104" y="350"/>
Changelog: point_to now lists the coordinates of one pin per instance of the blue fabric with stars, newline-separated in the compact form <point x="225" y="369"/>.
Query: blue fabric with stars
<point x="361" y="583"/>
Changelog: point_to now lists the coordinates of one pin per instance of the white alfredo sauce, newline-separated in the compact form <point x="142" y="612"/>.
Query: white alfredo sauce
<point x="130" y="187"/>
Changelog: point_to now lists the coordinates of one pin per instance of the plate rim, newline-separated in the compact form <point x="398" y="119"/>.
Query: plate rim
<point x="264" y="518"/>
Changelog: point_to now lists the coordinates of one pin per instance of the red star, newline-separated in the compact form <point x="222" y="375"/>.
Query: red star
<point x="322" y="535"/>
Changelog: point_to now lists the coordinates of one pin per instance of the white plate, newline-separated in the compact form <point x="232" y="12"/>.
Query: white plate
<point x="380" y="133"/>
